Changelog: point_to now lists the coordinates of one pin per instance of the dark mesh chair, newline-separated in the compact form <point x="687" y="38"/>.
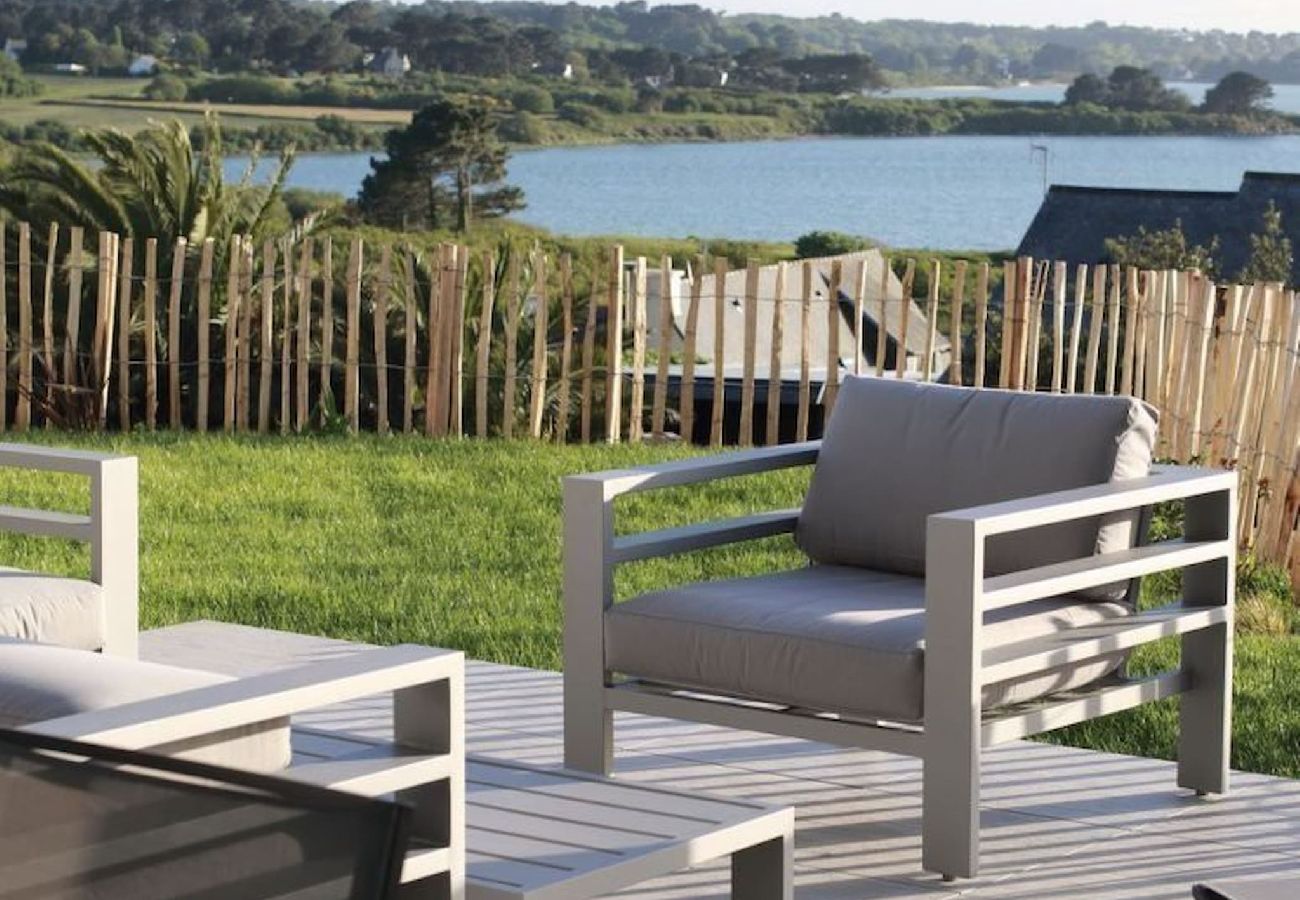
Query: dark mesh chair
<point x="83" y="821"/>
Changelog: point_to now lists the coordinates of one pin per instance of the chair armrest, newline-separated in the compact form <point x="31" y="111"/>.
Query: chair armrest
<point x="247" y="701"/>
<point x="1165" y="483"/>
<point x="111" y="528"/>
<point x="616" y="482"/>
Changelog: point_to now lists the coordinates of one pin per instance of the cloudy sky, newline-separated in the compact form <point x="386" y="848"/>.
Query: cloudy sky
<point x="1239" y="15"/>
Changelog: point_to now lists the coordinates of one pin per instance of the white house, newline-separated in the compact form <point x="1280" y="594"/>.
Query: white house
<point x="142" y="66"/>
<point x="389" y="62"/>
<point x="14" y="48"/>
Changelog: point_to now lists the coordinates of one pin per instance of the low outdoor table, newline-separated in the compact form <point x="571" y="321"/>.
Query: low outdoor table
<point x="537" y="834"/>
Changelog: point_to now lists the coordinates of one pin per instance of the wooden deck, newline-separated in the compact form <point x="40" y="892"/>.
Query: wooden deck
<point x="1057" y="822"/>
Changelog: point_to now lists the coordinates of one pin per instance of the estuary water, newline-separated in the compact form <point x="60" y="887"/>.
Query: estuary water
<point x="952" y="193"/>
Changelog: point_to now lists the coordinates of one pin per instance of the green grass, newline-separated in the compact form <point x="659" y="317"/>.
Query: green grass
<point x="458" y="544"/>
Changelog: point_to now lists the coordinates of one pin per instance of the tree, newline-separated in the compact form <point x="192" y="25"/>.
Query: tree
<point x="816" y="244"/>
<point x="153" y="183"/>
<point x="1271" y="256"/>
<point x="448" y="159"/>
<point x="1164" y="248"/>
<point x="1087" y="88"/>
<point x="1237" y="94"/>
<point x="1141" y="90"/>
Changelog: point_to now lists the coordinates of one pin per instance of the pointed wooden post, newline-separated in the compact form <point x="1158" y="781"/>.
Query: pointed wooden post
<point x="566" y="348"/>
<point x="125" y="291"/>
<point x="351" y="386"/>
<point x="541" y="327"/>
<point x="175" y="286"/>
<point x="266" y="335"/>
<point x="380" y="332"/>
<point x="833" y="318"/>
<point x="483" y="358"/>
<point x="774" y="374"/>
<point x="326" y="326"/>
<point x="513" y="303"/>
<point x="49" y="365"/>
<point x="904" y="319"/>
<point x="805" y="353"/>
<point x="636" y="412"/>
<point x="72" y="324"/>
<point x="588" y="362"/>
<point x="980" y="376"/>
<point x="750" y="358"/>
<point x="882" y="325"/>
<point x="955" y="375"/>
<point x="23" y="412"/>
<point x="105" y="316"/>
<point x="659" y="408"/>
<point x="614" y="350"/>
<point x="689" y="349"/>
<point x="931" y="321"/>
<point x="409" y="363"/>
<point x="204" y="325"/>
<point x="302" y="406"/>
<point x="719" y="351"/>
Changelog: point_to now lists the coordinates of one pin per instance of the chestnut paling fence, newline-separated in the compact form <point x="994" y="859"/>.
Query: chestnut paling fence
<point x="307" y="333"/>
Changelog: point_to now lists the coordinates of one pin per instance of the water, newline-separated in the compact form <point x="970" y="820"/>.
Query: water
<point x="1286" y="97"/>
<point x="977" y="193"/>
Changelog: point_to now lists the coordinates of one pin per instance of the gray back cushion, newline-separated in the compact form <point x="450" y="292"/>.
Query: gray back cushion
<point x="897" y="452"/>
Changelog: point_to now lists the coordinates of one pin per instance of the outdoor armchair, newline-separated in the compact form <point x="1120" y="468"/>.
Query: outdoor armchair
<point x="975" y="561"/>
<point x="97" y="613"/>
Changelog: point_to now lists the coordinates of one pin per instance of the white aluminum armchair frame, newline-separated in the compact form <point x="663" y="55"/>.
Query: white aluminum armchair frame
<point x="957" y="665"/>
<point x="424" y="765"/>
<point x="111" y="528"/>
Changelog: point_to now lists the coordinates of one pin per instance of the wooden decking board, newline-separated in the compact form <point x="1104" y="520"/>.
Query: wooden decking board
<point x="1059" y="822"/>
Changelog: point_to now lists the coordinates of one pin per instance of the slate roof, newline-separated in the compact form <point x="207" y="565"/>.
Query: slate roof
<point x="1073" y="222"/>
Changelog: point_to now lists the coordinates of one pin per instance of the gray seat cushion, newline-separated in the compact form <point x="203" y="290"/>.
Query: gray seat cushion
<point x="40" y="682"/>
<point x="834" y="638"/>
<point x="52" y="610"/>
<point x="897" y="452"/>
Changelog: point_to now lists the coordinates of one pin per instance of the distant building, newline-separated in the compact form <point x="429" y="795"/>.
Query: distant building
<point x="14" y="48"/>
<point x="143" y="66"/>
<point x="1073" y="223"/>
<point x="389" y="62"/>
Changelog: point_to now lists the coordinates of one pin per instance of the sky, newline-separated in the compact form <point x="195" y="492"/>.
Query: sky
<point x="1238" y="15"/>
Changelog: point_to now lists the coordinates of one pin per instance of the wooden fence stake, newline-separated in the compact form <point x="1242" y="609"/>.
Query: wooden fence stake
<point x="689" y="349"/>
<point x="265" y="334"/>
<point x="409" y="363"/>
<point x="4" y="322"/>
<point x="231" y="333"/>
<point x="383" y="287"/>
<point x="955" y="375"/>
<point x="1010" y="309"/>
<point x="565" y="388"/>
<point x="931" y="322"/>
<point x="905" y="319"/>
<point x="456" y="343"/>
<point x="23" y="412"/>
<point x="151" y="333"/>
<point x="435" y="403"/>
<point x="286" y="338"/>
<point x="302" y="335"/>
<point x="833" y="319"/>
<point x="882" y="324"/>
<point x="1131" y="303"/>
<point x="749" y="366"/>
<point x="352" y="371"/>
<point x="105" y="312"/>
<point x="484" y="354"/>
<point x="541" y="325"/>
<point x="719" y="351"/>
<point x="244" y="345"/>
<point x="1095" y="323"/>
<point x="1064" y="365"/>
<point x="512" y="337"/>
<point x="774" y="373"/>
<point x="636" y="425"/>
<point x="664" y="348"/>
<point x="614" y="353"/>
<point x="125" y="291"/>
<point x="805" y="350"/>
<point x="204" y="337"/>
<point x="72" y="324"/>
<point x="327" y="329"/>
<point x="48" y="363"/>
<point x="175" y="287"/>
<point x="859" y="315"/>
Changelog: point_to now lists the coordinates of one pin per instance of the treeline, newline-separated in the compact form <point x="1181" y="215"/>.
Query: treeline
<point x="326" y="133"/>
<point x="625" y="41"/>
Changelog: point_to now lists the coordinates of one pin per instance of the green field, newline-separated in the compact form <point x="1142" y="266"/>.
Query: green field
<point x="458" y="544"/>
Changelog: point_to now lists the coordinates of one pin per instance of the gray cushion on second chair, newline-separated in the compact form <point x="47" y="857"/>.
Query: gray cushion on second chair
<point x="832" y="638"/>
<point x="897" y="452"/>
<point x="53" y="610"/>
<point x="40" y="682"/>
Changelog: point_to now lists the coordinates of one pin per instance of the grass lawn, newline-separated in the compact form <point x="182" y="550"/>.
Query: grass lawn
<point x="458" y="544"/>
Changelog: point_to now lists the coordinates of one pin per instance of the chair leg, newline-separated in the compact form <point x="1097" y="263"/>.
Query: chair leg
<point x="950" y="835"/>
<point x="1205" y="711"/>
<point x="588" y="730"/>
<point x="764" y="871"/>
